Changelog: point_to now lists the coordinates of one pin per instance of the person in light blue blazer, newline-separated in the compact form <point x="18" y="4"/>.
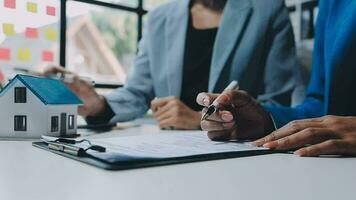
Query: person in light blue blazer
<point x="331" y="92"/>
<point x="191" y="46"/>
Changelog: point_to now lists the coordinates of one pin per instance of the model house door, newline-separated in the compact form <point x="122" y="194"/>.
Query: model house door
<point x="63" y="127"/>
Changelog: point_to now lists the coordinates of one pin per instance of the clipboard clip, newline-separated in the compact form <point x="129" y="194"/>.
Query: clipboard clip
<point x="68" y="146"/>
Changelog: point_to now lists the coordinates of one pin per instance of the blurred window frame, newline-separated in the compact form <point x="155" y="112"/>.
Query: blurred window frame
<point x="138" y="10"/>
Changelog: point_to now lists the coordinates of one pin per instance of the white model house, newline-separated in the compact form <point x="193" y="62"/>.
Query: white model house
<point x="33" y="106"/>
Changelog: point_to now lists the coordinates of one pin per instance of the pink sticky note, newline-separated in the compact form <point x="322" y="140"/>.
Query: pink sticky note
<point x="10" y="4"/>
<point x="2" y="77"/>
<point x="47" y="56"/>
<point x="31" y="33"/>
<point x="5" y="54"/>
<point x="51" y="10"/>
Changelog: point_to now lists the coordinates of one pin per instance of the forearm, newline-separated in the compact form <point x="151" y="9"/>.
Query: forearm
<point x="282" y="115"/>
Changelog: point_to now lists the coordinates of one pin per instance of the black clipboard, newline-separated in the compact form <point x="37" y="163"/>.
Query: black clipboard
<point x="124" y="162"/>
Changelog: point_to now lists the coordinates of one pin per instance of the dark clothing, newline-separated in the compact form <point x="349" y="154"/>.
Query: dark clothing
<point x="197" y="60"/>
<point x="103" y="119"/>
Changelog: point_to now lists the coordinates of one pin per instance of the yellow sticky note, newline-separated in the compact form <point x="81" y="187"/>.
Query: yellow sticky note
<point x="24" y="54"/>
<point x="51" y="34"/>
<point x="8" y="29"/>
<point x="32" y="7"/>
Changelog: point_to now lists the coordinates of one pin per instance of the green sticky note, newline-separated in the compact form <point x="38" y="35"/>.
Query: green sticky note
<point x="8" y="29"/>
<point x="51" y="34"/>
<point x="32" y="7"/>
<point x="24" y="54"/>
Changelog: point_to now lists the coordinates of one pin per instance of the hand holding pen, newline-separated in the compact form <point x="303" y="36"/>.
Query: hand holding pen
<point x="59" y="73"/>
<point x="235" y="115"/>
<point x="234" y="85"/>
<point x="94" y="104"/>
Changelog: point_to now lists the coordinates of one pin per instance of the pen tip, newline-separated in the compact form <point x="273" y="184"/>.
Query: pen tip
<point x="204" y="116"/>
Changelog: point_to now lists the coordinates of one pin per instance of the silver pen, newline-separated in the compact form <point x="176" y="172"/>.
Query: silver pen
<point x="234" y="85"/>
<point x="69" y="78"/>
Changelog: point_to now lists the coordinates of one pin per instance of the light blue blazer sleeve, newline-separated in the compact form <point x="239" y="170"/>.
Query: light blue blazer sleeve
<point x="134" y="98"/>
<point x="282" y="72"/>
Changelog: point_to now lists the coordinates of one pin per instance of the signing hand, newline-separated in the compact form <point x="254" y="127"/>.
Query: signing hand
<point x="240" y="117"/>
<point x="94" y="104"/>
<point x="56" y="70"/>
<point x="171" y="112"/>
<point x="319" y="136"/>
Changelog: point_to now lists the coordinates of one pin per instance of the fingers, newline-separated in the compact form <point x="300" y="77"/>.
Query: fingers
<point x="238" y="98"/>
<point x="177" y="122"/>
<point x="165" y="108"/>
<point x="289" y="129"/>
<point x="79" y="86"/>
<point x="168" y="122"/>
<point x="205" y="99"/>
<point x="224" y="99"/>
<point x="54" y="70"/>
<point x="330" y="147"/>
<point x="207" y="125"/>
<point x="164" y="113"/>
<point x="302" y="138"/>
<point x="222" y="116"/>
<point x="156" y="104"/>
<point x="160" y="110"/>
<point x="220" y="135"/>
<point x="221" y="120"/>
<point x="73" y="81"/>
<point x="228" y="99"/>
<point x="76" y="80"/>
<point x="180" y="119"/>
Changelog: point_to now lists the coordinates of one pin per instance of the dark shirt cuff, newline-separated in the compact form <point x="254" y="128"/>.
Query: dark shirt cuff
<point x="103" y="118"/>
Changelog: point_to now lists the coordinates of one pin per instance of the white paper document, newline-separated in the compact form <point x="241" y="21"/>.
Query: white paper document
<point x="172" y="144"/>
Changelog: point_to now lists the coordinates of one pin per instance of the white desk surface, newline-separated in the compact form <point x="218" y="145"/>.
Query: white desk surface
<point x="28" y="173"/>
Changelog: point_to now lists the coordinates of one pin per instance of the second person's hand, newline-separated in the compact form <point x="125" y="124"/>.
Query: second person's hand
<point x="54" y="70"/>
<point x="170" y="112"/>
<point x="94" y="104"/>
<point x="331" y="135"/>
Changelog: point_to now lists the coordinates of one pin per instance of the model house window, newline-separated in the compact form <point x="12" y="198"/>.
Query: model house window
<point x="20" y="95"/>
<point x="54" y="123"/>
<point x="71" y="122"/>
<point x="20" y="123"/>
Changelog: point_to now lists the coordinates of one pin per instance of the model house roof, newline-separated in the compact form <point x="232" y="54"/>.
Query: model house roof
<point x="49" y="91"/>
